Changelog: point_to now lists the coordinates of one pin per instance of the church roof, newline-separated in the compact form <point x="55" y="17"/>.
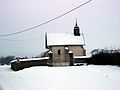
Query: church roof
<point x="64" y="39"/>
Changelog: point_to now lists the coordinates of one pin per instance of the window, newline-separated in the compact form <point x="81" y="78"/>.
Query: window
<point x="59" y="52"/>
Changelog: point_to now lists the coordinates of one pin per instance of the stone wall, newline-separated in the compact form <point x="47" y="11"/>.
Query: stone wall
<point x="77" y="50"/>
<point x="19" y="65"/>
<point x="60" y="54"/>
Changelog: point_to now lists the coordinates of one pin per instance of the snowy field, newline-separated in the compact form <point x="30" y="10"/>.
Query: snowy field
<point x="61" y="78"/>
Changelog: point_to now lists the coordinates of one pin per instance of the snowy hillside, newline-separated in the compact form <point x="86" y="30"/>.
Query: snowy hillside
<point x="61" y="78"/>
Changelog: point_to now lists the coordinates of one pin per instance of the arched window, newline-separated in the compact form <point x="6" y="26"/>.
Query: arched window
<point x="59" y="52"/>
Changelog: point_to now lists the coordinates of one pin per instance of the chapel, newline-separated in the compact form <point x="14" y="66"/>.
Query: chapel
<point x="64" y="48"/>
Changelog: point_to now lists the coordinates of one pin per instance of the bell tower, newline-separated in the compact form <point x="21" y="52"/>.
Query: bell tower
<point x="76" y="30"/>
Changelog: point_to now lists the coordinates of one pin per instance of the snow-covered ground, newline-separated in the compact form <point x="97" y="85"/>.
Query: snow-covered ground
<point x="61" y="78"/>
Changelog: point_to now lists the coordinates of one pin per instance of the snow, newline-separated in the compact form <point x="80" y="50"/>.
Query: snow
<point x="64" y="39"/>
<point x="82" y="56"/>
<point x="70" y="52"/>
<point x="50" y="52"/>
<point x="66" y="48"/>
<point x="89" y="77"/>
<point x="30" y="59"/>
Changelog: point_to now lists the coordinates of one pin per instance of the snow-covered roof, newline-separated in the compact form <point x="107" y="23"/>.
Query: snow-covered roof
<point x="64" y="39"/>
<point x="31" y="59"/>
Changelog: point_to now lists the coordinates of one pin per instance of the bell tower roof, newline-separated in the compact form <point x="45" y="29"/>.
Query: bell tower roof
<point x="76" y="29"/>
<point x="76" y="23"/>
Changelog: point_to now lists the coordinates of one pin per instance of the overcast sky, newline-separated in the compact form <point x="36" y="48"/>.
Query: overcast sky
<point x="99" y="20"/>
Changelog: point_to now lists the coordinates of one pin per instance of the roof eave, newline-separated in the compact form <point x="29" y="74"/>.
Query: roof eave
<point x="68" y="45"/>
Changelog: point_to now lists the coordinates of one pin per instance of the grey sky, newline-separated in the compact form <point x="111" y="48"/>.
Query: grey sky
<point x="99" y="20"/>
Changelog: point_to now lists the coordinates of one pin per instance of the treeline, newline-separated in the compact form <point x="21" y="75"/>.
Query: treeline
<point x="6" y="59"/>
<point x="105" y="57"/>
